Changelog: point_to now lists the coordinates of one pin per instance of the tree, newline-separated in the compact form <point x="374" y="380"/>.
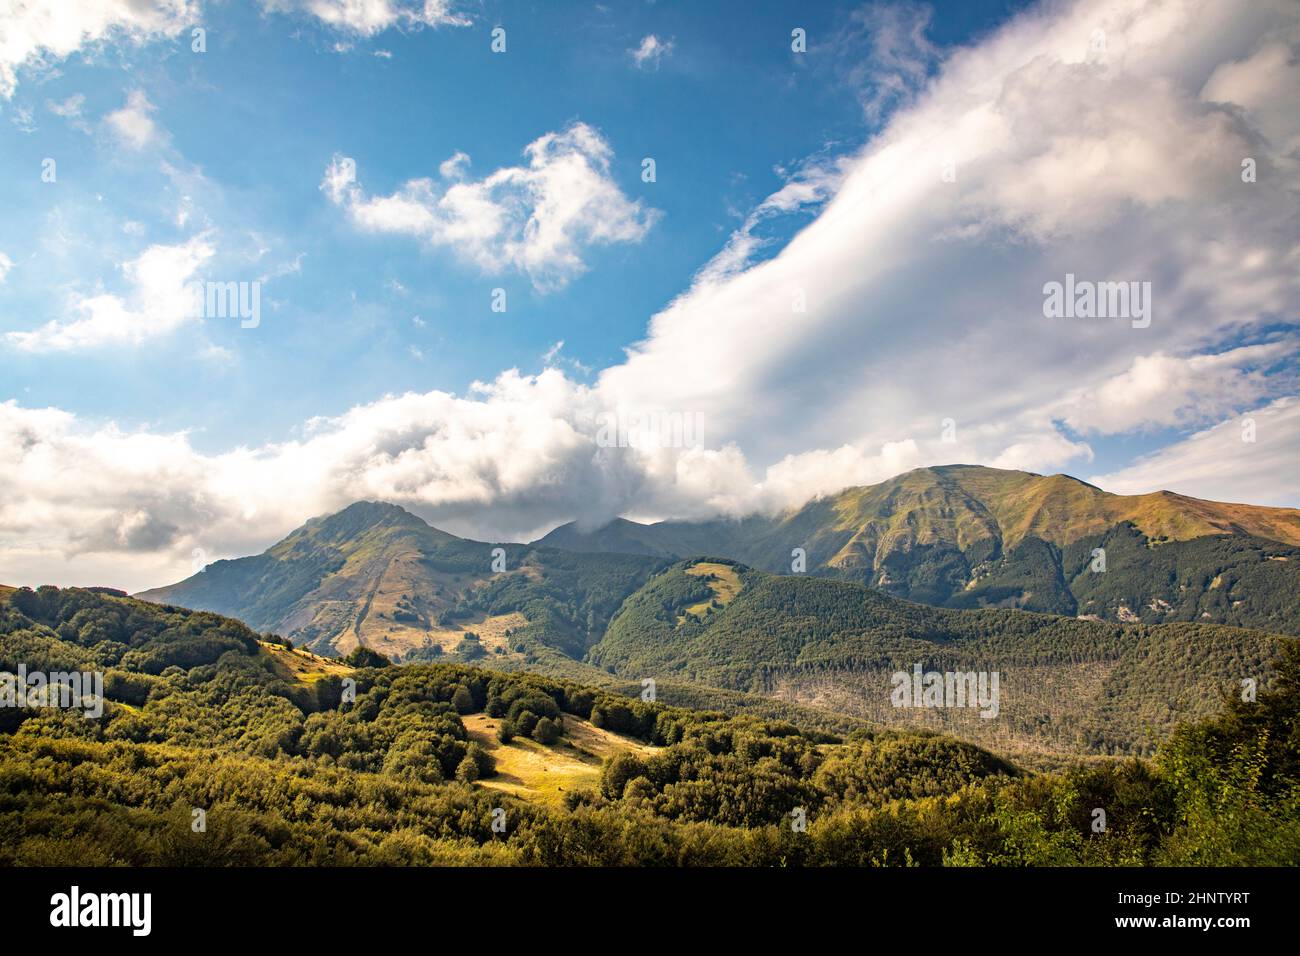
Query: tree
<point x="546" y="731"/>
<point x="463" y="700"/>
<point x="525" y="723"/>
<point x="621" y="768"/>
<point x="365" y="657"/>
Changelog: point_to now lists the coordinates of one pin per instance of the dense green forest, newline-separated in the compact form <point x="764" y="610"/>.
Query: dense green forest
<point x="1070" y="684"/>
<point x="1236" y="579"/>
<point x="303" y="771"/>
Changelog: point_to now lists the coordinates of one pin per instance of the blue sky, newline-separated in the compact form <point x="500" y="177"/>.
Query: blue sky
<point x="251" y="124"/>
<point x="379" y="171"/>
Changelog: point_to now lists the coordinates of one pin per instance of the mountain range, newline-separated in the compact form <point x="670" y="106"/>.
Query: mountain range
<point x="959" y="536"/>
<point x="966" y="536"/>
<point x="696" y="605"/>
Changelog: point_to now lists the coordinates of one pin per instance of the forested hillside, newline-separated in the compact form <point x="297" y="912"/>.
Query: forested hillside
<point x="217" y="748"/>
<point x="1066" y="684"/>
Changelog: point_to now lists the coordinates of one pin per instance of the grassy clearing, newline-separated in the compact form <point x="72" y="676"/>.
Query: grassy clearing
<point x="531" y="771"/>
<point x="302" y="666"/>
<point x="722" y="580"/>
<point x="491" y="631"/>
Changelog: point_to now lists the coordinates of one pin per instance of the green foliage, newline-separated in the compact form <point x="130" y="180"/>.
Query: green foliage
<point x="1226" y="579"/>
<point x="365" y="657"/>
<point x="1132" y="681"/>
<point x="546" y="731"/>
<point x="288" y="776"/>
<point x="463" y="700"/>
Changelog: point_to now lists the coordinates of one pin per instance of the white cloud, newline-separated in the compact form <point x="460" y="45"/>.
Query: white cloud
<point x="455" y="167"/>
<point x="1217" y="464"/>
<point x="647" y="54"/>
<point x="810" y="186"/>
<point x="1161" y="390"/>
<point x="70" y="110"/>
<point x="537" y="219"/>
<point x="369" y="17"/>
<point x="884" y="54"/>
<point x="35" y="34"/>
<point x="554" y="357"/>
<point x="1264" y="85"/>
<point x="133" y="124"/>
<point x="75" y="489"/>
<point x="158" y="303"/>
<point x="5" y="265"/>
<point x="924" y="296"/>
<point x="289" y="267"/>
<point x="23" y="119"/>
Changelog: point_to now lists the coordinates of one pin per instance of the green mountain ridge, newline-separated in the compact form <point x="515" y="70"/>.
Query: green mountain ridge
<point x="967" y="536"/>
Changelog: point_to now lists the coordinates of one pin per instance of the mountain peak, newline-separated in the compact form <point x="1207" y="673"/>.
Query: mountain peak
<point x="378" y="511"/>
<point x="361" y="516"/>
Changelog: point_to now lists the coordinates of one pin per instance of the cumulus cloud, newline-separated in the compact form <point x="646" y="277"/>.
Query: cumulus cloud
<point x="454" y="167"/>
<point x="1160" y="390"/>
<point x="158" y="302"/>
<point x="1264" y="85"/>
<point x="647" y="54"/>
<point x="36" y="34"/>
<point x="903" y="326"/>
<point x="516" y="451"/>
<point x="537" y="218"/>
